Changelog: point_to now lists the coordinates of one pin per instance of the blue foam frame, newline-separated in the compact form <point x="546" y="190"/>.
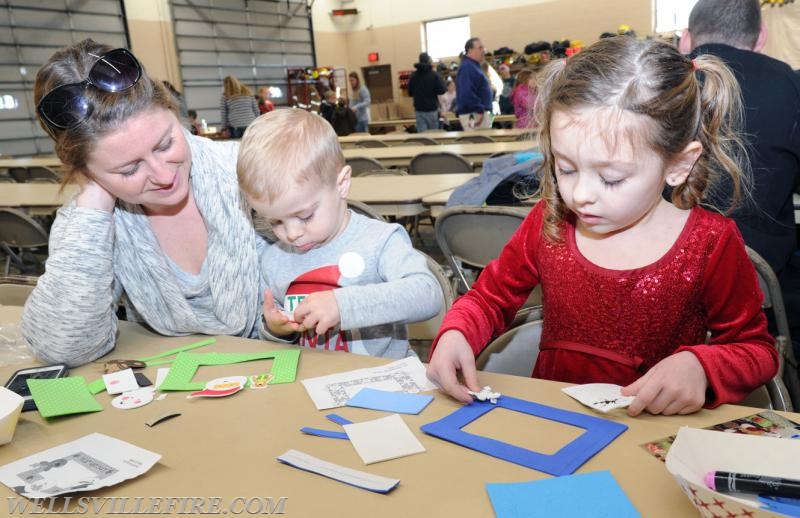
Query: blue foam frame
<point x="598" y="434"/>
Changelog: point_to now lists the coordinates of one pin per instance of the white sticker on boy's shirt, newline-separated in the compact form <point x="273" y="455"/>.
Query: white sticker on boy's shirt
<point x="600" y="396"/>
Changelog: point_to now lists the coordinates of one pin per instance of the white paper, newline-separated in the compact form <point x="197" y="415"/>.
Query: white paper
<point x="86" y="464"/>
<point x="10" y="408"/>
<point x="600" y="396"/>
<point x="383" y="439"/>
<point x="161" y="375"/>
<point x="353" y="477"/>
<point x="335" y="390"/>
<point x="120" y="381"/>
<point x="696" y="452"/>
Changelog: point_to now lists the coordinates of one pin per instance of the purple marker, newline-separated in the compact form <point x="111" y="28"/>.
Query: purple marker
<point x="727" y="482"/>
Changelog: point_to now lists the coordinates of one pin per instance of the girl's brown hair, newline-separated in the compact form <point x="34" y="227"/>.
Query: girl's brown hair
<point x="685" y="100"/>
<point x="109" y="109"/>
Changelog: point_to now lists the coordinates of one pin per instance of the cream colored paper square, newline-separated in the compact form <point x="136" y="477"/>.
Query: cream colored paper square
<point x="383" y="439"/>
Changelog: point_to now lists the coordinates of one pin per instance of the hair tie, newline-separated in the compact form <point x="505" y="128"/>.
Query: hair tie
<point x="694" y="65"/>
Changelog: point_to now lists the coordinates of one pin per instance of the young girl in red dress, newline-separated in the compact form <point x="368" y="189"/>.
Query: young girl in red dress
<point x="657" y="296"/>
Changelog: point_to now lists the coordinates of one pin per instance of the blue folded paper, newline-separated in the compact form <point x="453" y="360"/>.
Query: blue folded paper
<point x="600" y="497"/>
<point x="398" y="402"/>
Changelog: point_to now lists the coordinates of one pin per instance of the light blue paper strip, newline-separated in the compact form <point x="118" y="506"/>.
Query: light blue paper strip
<point x="399" y="402"/>
<point x="594" y="494"/>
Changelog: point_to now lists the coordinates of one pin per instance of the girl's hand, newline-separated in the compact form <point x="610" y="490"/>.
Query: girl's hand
<point x="94" y="196"/>
<point x="675" y="385"/>
<point x="278" y="324"/>
<point x="318" y="312"/>
<point x="453" y="354"/>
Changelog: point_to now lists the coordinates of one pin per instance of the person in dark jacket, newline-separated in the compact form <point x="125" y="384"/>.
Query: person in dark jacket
<point x="425" y="86"/>
<point x="733" y="31"/>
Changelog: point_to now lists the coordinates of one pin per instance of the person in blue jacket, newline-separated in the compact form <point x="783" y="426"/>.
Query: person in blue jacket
<point x="473" y="91"/>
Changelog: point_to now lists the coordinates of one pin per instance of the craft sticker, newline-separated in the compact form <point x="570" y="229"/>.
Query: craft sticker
<point x="220" y="387"/>
<point x="134" y="398"/>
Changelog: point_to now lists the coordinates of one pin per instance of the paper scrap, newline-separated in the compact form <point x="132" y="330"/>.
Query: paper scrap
<point x="349" y="476"/>
<point x="120" y="381"/>
<point x="86" y="464"/>
<point x="335" y="390"/>
<point x="161" y="375"/>
<point x="399" y="402"/>
<point x="600" y="396"/>
<point x="63" y="396"/>
<point x="599" y="496"/>
<point x="383" y="439"/>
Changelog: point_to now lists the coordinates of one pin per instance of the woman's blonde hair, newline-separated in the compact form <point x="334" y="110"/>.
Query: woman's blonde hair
<point x="234" y="88"/>
<point x="684" y="100"/>
<point x="109" y="109"/>
<point x="285" y="147"/>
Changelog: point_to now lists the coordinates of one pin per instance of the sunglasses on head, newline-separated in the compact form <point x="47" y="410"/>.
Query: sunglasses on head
<point x="66" y="106"/>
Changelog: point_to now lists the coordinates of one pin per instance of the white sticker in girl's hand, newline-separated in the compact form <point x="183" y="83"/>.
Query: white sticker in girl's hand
<point x="600" y="396"/>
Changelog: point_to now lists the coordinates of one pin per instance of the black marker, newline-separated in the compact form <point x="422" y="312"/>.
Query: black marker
<point x="726" y="482"/>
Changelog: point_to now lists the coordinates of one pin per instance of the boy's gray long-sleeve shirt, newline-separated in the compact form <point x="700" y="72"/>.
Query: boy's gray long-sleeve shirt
<point x="380" y="283"/>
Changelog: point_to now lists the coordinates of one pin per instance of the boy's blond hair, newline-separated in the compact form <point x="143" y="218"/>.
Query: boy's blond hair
<point x="286" y="147"/>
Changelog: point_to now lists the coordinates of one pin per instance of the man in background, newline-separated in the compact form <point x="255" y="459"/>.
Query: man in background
<point x="473" y="91"/>
<point x="732" y="30"/>
<point x="425" y="86"/>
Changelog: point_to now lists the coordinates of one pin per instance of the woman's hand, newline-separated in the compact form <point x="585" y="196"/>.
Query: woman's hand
<point x="675" y="385"/>
<point x="94" y="196"/>
<point x="453" y="354"/>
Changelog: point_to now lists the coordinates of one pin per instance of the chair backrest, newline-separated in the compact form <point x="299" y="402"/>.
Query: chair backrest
<point x="477" y="139"/>
<point x="515" y="351"/>
<point x="439" y="162"/>
<point x="43" y="173"/>
<point x="14" y="294"/>
<point x="19" y="230"/>
<point x="475" y="235"/>
<point x="773" y="302"/>
<point x="362" y="164"/>
<point x="420" y="141"/>
<point x="365" y="210"/>
<point x="371" y="143"/>
<point x="385" y="172"/>
<point x="19" y="174"/>
<point x="426" y="330"/>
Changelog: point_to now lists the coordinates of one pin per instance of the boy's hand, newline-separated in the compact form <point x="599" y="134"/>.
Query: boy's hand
<point x="277" y="322"/>
<point x="453" y="354"/>
<point x="675" y="385"/>
<point x="318" y="312"/>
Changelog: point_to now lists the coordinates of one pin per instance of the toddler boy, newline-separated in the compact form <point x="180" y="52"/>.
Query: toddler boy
<point x="336" y="280"/>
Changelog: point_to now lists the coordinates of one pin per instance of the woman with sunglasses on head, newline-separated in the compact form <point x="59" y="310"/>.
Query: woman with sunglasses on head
<point x="158" y="222"/>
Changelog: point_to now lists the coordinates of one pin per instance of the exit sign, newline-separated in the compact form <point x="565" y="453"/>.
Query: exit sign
<point x="343" y="12"/>
<point x="372" y="57"/>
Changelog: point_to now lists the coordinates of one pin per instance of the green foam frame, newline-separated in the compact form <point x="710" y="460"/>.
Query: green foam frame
<point x="183" y="369"/>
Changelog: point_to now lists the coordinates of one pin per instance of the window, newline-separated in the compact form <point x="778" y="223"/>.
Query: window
<point x="445" y="38"/>
<point x="252" y="40"/>
<point x="672" y="15"/>
<point x="30" y="32"/>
